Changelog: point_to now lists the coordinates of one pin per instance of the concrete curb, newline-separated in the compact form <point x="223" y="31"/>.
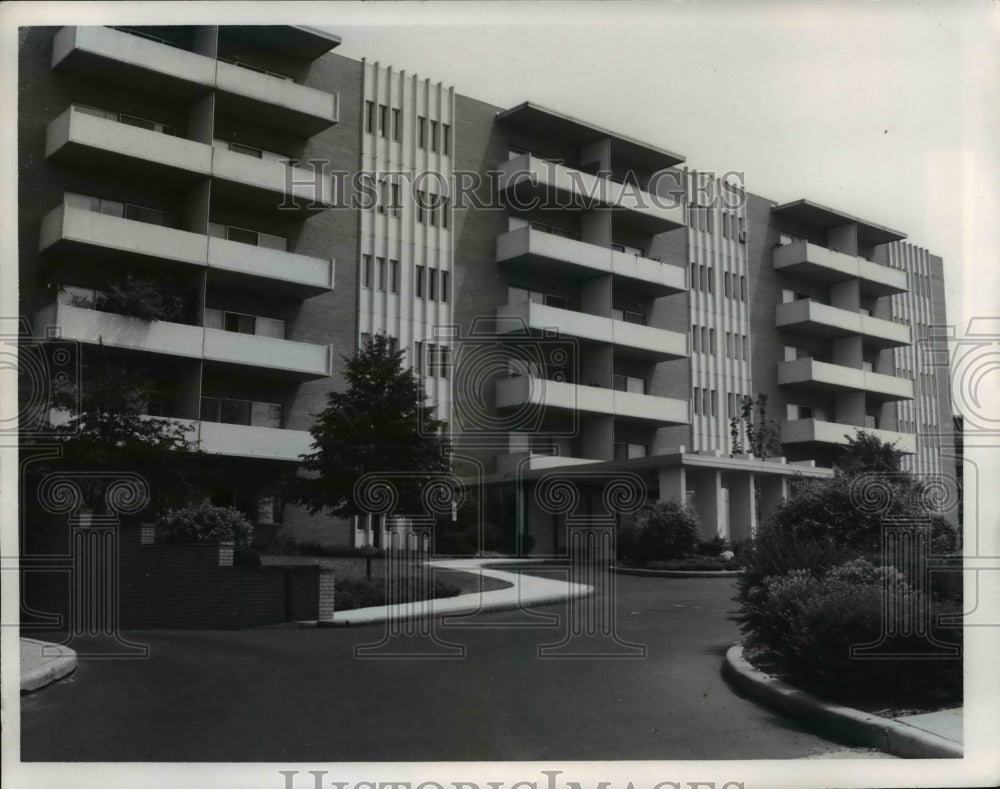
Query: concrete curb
<point x="842" y="723"/>
<point x="676" y="573"/>
<point x="508" y="599"/>
<point x="51" y="668"/>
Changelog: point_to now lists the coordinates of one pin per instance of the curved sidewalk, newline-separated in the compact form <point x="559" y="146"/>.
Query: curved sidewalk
<point x="525" y="590"/>
<point x="42" y="663"/>
<point x="936" y="735"/>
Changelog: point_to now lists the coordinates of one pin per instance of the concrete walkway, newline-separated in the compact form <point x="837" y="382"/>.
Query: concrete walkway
<point x="43" y="663"/>
<point x="525" y="590"/>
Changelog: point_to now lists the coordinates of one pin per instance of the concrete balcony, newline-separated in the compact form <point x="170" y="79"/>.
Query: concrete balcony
<point x="630" y="339"/>
<point x="124" y="59"/>
<point x="248" y="441"/>
<point x="238" y="353"/>
<point x="565" y="257"/>
<point x="528" y="391"/>
<point x="820" y="432"/>
<point x="264" y="184"/>
<point x="828" y="378"/>
<point x="819" y="264"/>
<point x="821" y="320"/>
<point x="87" y="238"/>
<point x="530" y="179"/>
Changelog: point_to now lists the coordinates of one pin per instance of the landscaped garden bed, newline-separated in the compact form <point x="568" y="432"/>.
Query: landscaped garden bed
<point x="822" y="607"/>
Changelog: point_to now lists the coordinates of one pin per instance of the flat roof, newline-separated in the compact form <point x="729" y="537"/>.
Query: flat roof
<point x="809" y="213"/>
<point x="554" y="124"/>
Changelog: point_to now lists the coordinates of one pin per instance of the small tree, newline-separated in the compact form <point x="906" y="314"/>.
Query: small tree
<point x="100" y="427"/>
<point x="763" y="434"/>
<point x="866" y="453"/>
<point x="380" y="424"/>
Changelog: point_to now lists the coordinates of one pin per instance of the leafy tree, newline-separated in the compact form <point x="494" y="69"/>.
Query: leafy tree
<point x="866" y="453"/>
<point x="763" y="434"/>
<point x="100" y="427"/>
<point x="380" y="424"/>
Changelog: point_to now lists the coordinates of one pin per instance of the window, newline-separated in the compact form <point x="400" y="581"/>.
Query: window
<point x="237" y="322"/>
<point x="629" y="383"/>
<point x="711" y="338"/>
<point x="434" y="136"/>
<point x="245" y="236"/>
<point x="444" y="212"/>
<point x="715" y="402"/>
<point x="445" y="284"/>
<point x="369" y="116"/>
<point x="240" y="412"/>
<point x="624" y="451"/>
<point x="706" y="402"/>
<point x="418" y="358"/>
<point x="366" y="340"/>
<point x="694" y="276"/>
<point x="397" y="125"/>
<point x="695" y="339"/>
<point x="380" y="282"/>
<point x="696" y="398"/>
<point x="366" y="271"/>
<point x="270" y="507"/>
<point x="418" y="283"/>
<point x="395" y="207"/>
<point x="421" y="132"/>
<point x="746" y="349"/>
<point x="743" y="288"/>
<point x="151" y="216"/>
<point x="421" y="199"/>
<point x="728" y="280"/>
<point x="129" y="120"/>
<point x="394" y="276"/>
<point x="445" y="139"/>
<point x="705" y="343"/>
<point x="383" y="120"/>
<point x="432" y="284"/>
<point x="439" y="360"/>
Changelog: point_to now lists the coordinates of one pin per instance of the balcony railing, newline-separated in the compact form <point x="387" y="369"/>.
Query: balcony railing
<point x="240" y="352"/>
<point x="522" y="391"/>
<point x="811" y="261"/>
<point x="97" y="239"/>
<point x="818" y="431"/>
<point x="829" y="322"/>
<point x="820" y="376"/>
<point x="266" y="184"/>
<point x="143" y="60"/>
<point x="630" y="338"/>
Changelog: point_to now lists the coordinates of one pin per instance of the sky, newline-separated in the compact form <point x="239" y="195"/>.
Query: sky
<point x="885" y="110"/>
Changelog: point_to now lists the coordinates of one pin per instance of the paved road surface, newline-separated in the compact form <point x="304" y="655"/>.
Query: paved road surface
<point x="300" y="695"/>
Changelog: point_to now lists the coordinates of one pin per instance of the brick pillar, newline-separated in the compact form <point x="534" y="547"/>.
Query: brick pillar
<point x="326" y="604"/>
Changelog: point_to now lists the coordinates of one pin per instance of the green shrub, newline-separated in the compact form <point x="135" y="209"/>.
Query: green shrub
<point x="204" y="523"/>
<point x="712" y="547"/>
<point x="351" y="593"/>
<point x="663" y="530"/>
<point x="148" y="300"/>
<point x="284" y="545"/>
<point x="804" y="625"/>
<point x="693" y="563"/>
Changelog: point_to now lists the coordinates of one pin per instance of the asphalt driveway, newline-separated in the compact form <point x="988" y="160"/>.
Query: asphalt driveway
<point x="301" y="695"/>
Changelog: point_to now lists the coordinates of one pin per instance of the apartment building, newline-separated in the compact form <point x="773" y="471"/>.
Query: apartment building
<point x="600" y="308"/>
